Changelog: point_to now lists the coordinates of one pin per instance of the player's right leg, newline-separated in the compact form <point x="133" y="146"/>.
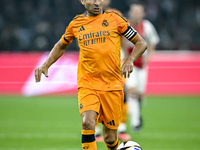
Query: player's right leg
<point x="88" y="130"/>
<point x="89" y="106"/>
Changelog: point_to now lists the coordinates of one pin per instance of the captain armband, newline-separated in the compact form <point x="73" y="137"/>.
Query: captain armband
<point x="130" y="33"/>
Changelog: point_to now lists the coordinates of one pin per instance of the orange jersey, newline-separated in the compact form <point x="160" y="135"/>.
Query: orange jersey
<point x="99" y="39"/>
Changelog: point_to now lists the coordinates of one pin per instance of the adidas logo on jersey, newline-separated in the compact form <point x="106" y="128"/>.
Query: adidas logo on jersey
<point x="86" y="147"/>
<point x="81" y="29"/>
<point x="112" y="123"/>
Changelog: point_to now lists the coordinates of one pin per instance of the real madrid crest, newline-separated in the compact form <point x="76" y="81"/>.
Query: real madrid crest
<point x="105" y="23"/>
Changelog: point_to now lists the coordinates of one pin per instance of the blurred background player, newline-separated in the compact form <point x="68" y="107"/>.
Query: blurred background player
<point x="135" y="85"/>
<point x="122" y="128"/>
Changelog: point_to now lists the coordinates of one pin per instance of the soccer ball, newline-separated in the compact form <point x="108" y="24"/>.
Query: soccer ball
<point x="129" y="145"/>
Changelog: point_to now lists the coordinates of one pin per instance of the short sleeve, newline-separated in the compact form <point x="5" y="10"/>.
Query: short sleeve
<point x="68" y="36"/>
<point x="151" y="36"/>
<point x="125" y="28"/>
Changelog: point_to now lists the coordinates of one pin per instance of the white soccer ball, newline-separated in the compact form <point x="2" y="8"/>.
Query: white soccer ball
<point x="129" y="145"/>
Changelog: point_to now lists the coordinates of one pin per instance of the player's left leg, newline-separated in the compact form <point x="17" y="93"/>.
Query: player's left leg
<point x="110" y="138"/>
<point x="110" y="116"/>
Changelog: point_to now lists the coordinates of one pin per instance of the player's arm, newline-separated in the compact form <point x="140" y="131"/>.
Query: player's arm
<point x="138" y="50"/>
<point x="151" y="49"/>
<point x="56" y="52"/>
<point x="139" y="47"/>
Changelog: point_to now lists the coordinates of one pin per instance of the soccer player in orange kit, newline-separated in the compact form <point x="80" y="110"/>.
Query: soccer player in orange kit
<point x="123" y="136"/>
<point x="100" y="85"/>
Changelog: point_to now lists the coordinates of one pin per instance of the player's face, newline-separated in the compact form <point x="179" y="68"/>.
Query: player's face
<point x="93" y="7"/>
<point x="136" y="13"/>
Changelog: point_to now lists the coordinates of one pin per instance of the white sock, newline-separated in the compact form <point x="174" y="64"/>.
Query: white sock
<point x="97" y="130"/>
<point x="134" y="111"/>
<point x="122" y="127"/>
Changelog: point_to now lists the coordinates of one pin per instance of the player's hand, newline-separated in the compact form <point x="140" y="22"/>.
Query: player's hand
<point x="127" y="68"/>
<point x="39" y="71"/>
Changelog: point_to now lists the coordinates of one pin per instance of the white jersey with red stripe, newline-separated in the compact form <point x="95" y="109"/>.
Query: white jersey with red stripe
<point x="146" y="29"/>
<point x="138" y="77"/>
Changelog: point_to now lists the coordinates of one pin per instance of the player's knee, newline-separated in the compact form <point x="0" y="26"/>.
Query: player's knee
<point x="110" y="138"/>
<point x="88" y="125"/>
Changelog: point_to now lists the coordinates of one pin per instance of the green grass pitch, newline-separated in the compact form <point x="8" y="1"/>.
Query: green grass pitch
<point x="54" y="123"/>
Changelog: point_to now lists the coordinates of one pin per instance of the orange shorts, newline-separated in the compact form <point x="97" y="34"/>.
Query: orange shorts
<point x="108" y="104"/>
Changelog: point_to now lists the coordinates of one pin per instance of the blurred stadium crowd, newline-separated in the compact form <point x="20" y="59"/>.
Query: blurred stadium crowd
<point x="36" y="25"/>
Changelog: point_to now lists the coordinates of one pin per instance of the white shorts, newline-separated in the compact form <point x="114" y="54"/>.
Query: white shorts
<point x="137" y="79"/>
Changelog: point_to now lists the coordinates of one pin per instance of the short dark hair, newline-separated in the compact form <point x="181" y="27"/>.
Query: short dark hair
<point x="137" y="2"/>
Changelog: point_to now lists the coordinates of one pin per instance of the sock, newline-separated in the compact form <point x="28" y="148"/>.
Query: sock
<point x="134" y="110"/>
<point x="122" y="128"/>
<point x="88" y="140"/>
<point x="113" y="146"/>
<point x="122" y="125"/>
<point x="97" y="130"/>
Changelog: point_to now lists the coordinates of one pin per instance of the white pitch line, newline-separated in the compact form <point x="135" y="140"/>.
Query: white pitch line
<point x="75" y="136"/>
<point x="55" y="66"/>
<point x="173" y="83"/>
<point x="172" y="67"/>
<point x="171" y="135"/>
<point x="44" y="82"/>
<point x="39" y="135"/>
<point x="12" y="148"/>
